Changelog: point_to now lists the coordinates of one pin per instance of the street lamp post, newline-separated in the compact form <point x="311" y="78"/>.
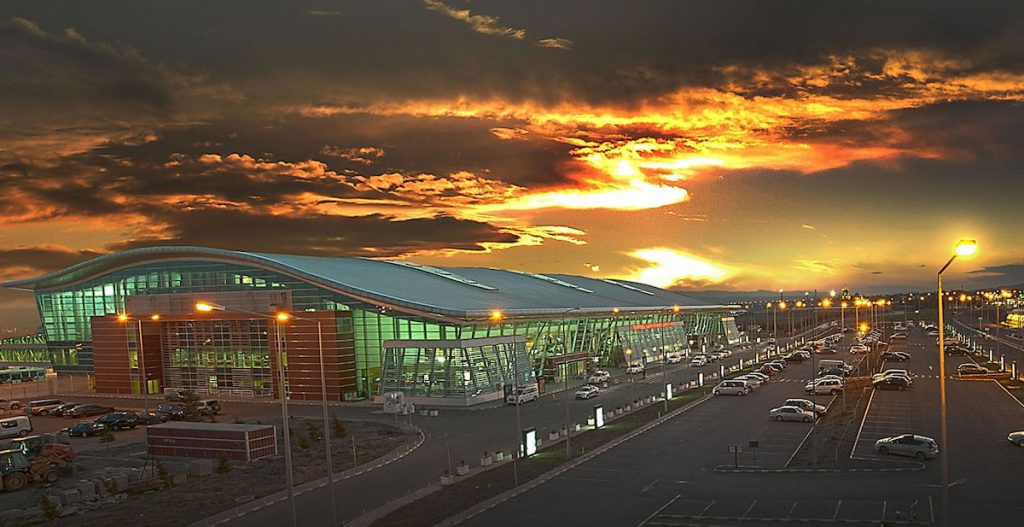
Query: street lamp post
<point x="279" y="318"/>
<point x="141" y="356"/>
<point x="565" y="367"/>
<point x="963" y="248"/>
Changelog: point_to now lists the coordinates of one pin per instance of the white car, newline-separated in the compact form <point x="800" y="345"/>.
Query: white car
<point x="673" y="358"/>
<point x="751" y="380"/>
<point x="806" y="405"/>
<point x="920" y="447"/>
<point x="587" y="391"/>
<point x="759" y="375"/>
<point x="599" y="376"/>
<point x="824" y="387"/>
<point x="858" y="348"/>
<point x="698" y="360"/>
<point x="635" y="368"/>
<point x="9" y="405"/>
<point x="725" y="353"/>
<point x="791" y="413"/>
<point x="1016" y="438"/>
<point x="732" y="387"/>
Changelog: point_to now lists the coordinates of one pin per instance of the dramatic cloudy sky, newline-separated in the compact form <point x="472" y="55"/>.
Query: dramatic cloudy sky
<point x="717" y="144"/>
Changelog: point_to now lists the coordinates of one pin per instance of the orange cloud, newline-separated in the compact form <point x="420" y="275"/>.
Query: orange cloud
<point x="669" y="267"/>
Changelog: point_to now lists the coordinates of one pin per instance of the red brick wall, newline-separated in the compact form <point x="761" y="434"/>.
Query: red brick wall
<point x="152" y="355"/>
<point x="303" y="352"/>
<point x="110" y="355"/>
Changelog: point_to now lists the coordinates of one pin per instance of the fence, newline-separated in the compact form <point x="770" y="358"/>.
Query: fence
<point x="51" y="386"/>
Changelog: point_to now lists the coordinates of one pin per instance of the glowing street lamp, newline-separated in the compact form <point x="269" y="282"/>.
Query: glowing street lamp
<point x="963" y="248"/>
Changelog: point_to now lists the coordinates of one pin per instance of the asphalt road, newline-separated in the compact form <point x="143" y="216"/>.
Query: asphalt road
<point x="666" y="476"/>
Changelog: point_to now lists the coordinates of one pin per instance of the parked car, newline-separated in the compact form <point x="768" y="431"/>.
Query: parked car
<point x="1016" y="438"/>
<point x="673" y="358"/>
<point x="791" y="413"/>
<point x="523" y="394"/>
<point x="957" y="350"/>
<point x="118" y="421"/>
<point x="768" y="370"/>
<point x="920" y="447"/>
<point x="835" y="372"/>
<point x="751" y="380"/>
<point x="635" y="368"/>
<point x="698" y="361"/>
<point x="714" y="357"/>
<point x="725" y="353"/>
<point x="208" y="406"/>
<point x="17" y="426"/>
<point x="894" y="382"/>
<point x="587" y="391"/>
<point x="6" y="404"/>
<point x="898" y="336"/>
<point x="805" y="405"/>
<point x="895" y="356"/>
<point x="827" y="386"/>
<point x="858" y="348"/>
<point x="42" y="406"/>
<point x="780" y="363"/>
<point x="971" y="369"/>
<point x="59" y="411"/>
<point x="171" y="411"/>
<point x="793" y="357"/>
<point x="177" y="396"/>
<point x="150" y="418"/>
<point x="85" y="429"/>
<point x="87" y="410"/>
<point x="731" y="387"/>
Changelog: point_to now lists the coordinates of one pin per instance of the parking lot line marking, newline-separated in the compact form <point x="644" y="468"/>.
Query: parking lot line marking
<point x="931" y="509"/>
<point x="791" y="509"/>
<point x="836" y="515"/>
<point x="745" y="513"/>
<point x="1016" y="400"/>
<point x="884" y="503"/>
<point x="657" y="512"/>
<point x="706" y="509"/>
<point x="867" y="411"/>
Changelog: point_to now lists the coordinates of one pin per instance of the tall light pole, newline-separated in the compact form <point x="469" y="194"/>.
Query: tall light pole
<point x="963" y="248"/>
<point x="143" y="378"/>
<point x="842" y="313"/>
<point x="279" y="319"/>
<point x="565" y="366"/>
<point x="497" y="317"/>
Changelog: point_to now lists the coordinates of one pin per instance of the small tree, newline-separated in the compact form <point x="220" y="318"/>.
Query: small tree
<point x="106" y="436"/>
<point x="48" y="508"/>
<point x="223" y="466"/>
<point x="337" y="428"/>
<point x="313" y="431"/>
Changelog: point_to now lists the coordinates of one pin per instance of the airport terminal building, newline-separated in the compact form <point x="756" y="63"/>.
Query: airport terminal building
<point x="455" y="336"/>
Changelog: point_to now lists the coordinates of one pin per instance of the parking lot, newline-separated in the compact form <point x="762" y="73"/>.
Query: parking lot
<point x="693" y="511"/>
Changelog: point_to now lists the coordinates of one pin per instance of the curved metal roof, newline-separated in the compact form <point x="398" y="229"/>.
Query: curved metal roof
<point x="470" y="292"/>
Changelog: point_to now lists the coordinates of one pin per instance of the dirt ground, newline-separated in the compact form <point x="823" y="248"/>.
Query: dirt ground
<point x="200" y="497"/>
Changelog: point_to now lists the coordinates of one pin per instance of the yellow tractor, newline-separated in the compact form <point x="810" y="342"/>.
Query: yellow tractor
<point x="17" y="471"/>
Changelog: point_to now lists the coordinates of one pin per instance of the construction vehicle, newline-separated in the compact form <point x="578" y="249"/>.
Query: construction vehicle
<point x="45" y="445"/>
<point x="17" y="471"/>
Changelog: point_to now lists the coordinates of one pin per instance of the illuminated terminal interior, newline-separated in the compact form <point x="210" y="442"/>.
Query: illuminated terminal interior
<point x="447" y="335"/>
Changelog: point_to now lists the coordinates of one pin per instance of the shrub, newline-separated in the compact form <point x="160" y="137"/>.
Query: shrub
<point x="337" y="428"/>
<point x="48" y="508"/>
<point x="223" y="466"/>
<point x="164" y="475"/>
<point x="313" y="431"/>
<point x="106" y="436"/>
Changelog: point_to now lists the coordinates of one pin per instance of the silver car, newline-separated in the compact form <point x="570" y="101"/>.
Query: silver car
<point x="1016" y="438"/>
<point x="911" y="445"/>
<point x="791" y="413"/>
<point x="806" y="405"/>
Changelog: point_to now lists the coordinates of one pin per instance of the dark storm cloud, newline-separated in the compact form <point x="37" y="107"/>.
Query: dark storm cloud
<point x="621" y="51"/>
<point x="1009" y="275"/>
<point x="40" y="259"/>
<point x="373" y="235"/>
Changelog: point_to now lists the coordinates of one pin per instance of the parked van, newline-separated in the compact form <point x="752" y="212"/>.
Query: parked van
<point x="42" y="406"/>
<point x="731" y="387"/>
<point x="19" y="426"/>
<point x="523" y="394"/>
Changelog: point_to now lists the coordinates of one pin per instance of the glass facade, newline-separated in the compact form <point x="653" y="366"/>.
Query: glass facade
<point x="456" y="369"/>
<point x="236" y="357"/>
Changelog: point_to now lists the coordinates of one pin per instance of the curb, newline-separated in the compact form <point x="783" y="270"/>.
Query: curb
<point x="509" y="494"/>
<point x="266" y="501"/>
<point x="725" y="469"/>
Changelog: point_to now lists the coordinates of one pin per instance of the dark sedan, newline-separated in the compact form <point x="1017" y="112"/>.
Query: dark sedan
<point x="150" y="418"/>
<point x="85" y="429"/>
<point x="87" y="410"/>
<point x="895" y="356"/>
<point x="891" y="383"/>
<point x="119" y="420"/>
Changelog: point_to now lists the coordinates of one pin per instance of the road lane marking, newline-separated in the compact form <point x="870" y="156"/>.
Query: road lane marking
<point x="791" y="509"/>
<point x="748" y="509"/>
<point x="836" y="515"/>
